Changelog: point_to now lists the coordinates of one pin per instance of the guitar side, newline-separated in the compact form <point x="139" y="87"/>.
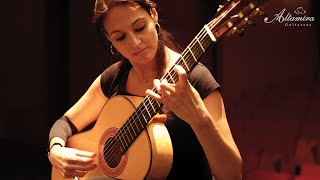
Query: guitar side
<point x="149" y="157"/>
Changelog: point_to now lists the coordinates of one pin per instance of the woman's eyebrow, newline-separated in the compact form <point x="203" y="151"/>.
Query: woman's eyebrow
<point x="137" y="20"/>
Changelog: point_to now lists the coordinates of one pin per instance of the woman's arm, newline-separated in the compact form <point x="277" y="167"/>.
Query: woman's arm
<point x="69" y="161"/>
<point x="87" y="109"/>
<point x="216" y="139"/>
<point x="208" y="120"/>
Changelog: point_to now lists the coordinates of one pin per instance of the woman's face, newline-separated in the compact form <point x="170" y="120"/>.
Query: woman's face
<point x="131" y="30"/>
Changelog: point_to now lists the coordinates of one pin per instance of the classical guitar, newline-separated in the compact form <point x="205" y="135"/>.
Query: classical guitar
<point x="127" y="146"/>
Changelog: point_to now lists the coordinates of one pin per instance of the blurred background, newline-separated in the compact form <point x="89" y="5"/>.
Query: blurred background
<point x="50" y="54"/>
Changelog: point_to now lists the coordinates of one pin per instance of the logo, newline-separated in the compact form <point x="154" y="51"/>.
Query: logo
<point x="297" y="19"/>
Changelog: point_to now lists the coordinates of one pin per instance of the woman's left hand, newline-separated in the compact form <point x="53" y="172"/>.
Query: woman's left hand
<point x="182" y="98"/>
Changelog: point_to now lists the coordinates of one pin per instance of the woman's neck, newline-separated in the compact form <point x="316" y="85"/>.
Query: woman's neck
<point x="145" y="72"/>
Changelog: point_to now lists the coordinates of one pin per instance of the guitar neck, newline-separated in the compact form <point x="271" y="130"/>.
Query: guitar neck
<point x="150" y="107"/>
<point x="192" y="54"/>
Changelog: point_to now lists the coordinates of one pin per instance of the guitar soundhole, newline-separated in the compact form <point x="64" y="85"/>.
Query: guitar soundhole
<point x="112" y="152"/>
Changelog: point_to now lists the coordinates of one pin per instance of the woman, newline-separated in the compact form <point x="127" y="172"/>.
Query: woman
<point x="203" y="146"/>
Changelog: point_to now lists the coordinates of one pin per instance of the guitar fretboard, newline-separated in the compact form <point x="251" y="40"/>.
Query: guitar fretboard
<point x="150" y="107"/>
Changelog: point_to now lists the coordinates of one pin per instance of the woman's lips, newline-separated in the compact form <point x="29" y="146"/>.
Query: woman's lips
<point x="140" y="51"/>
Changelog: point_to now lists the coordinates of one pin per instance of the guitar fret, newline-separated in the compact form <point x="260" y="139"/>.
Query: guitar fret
<point x="200" y="44"/>
<point x="123" y="141"/>
<point x="137" y="128"/>
<point x="146" y="109"/>
<point x="139" y="120"/>
<point x="130" y="131"/>
<point x="207" y="41"/>
<point x="192" y="54"/>
<point x="121" y="144"/>
<point x="173" y="81"/>
<point x="151" y="105"/>
<point x="126" y="132"/>
<point x="159" y="105"/>
<point x="185" y="63"/>
<point x="133" y="129"/>
<point x="126" y="137"/>
<point x="144" y="118"/>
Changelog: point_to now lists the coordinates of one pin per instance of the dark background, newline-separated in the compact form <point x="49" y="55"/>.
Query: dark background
<point x="50" y="55"/>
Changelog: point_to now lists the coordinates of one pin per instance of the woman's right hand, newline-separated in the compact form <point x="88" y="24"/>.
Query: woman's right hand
<point x="71" y="162"/>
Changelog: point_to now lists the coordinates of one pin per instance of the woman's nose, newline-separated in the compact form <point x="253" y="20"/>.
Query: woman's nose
<point x="134" y="40"/>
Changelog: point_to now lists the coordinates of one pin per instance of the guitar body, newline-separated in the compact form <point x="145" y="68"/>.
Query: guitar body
<point x="149" y="156"/>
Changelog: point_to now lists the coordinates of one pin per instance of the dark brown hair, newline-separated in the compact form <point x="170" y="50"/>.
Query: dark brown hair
<point x="102" y="7"/>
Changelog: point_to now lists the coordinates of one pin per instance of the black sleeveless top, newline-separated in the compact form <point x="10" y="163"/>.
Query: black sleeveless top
<point x="189" y="160"/>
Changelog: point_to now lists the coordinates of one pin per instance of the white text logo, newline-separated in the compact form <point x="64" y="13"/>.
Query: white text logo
<point x="300" y="19"/>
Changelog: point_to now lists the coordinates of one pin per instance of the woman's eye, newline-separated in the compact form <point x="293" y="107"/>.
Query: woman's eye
<point x="120" y="38"/>
<point x="140" y="29"/>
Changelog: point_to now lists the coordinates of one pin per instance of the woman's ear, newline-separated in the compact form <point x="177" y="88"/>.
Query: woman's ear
<point x="154" y="15"/>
